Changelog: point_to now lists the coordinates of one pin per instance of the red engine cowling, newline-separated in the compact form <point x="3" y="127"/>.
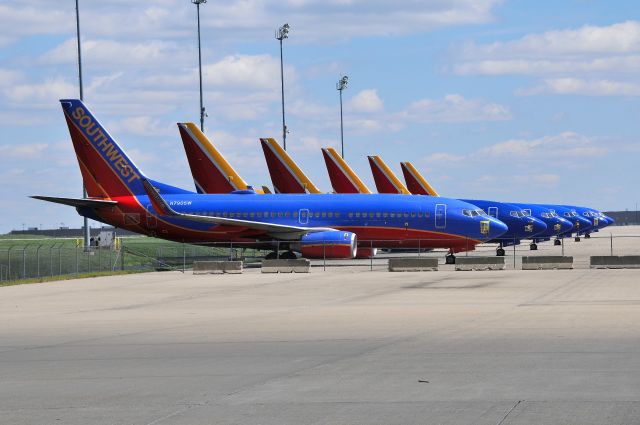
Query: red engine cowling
<point x="329" y="244"/>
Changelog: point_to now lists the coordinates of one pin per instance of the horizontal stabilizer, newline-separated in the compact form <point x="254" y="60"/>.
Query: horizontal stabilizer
<point x="77" y="202"/>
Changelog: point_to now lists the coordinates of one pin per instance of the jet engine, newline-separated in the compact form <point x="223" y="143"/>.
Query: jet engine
<point x="329" y="244"/>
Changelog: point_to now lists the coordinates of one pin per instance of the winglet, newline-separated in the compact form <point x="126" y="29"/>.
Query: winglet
<point x="286" y="176"/>
<point x="386" y="181"/>
<point x="415" y="182"/>
<point x="157" y="201"/>
<point x="343" y="178"/>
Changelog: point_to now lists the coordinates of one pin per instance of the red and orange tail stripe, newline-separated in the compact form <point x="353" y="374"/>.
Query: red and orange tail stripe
<point x="386" y="181"/>
<point x="415" y="182"/>
<point x="286" y="176"/>
<point x="343" y="178"/>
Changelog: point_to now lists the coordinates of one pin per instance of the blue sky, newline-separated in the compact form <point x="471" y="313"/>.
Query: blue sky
<point x="508" y="100"/>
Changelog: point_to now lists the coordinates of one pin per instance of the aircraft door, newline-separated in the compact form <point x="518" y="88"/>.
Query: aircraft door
<point x="493" y="212"/>
<point x="441" y="216"/>
<point x="152" y="221"/>
<point x="303" y="217"/>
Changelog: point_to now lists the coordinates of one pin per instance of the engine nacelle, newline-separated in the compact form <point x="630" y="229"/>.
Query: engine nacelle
<point x="329" y="244"/>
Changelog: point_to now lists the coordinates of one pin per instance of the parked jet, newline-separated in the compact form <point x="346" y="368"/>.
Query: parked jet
<point x="315" y="225"/>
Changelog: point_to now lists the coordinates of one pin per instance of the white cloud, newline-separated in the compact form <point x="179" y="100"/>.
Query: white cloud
<point x="577" y="86"/>
<point x="454" y="108"/>
<point x="23" y="150"/>
<point x="563" y="145"/>
<point x="47" y="92"/>
<point x="588" y="49"/>
<point x="443" y="157"/>
<point x="366" y="101"/>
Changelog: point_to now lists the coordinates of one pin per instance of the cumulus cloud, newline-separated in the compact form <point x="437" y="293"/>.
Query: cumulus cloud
<point x="454" y="108"/>
<point x="366" y="101"/>
<point x="566" y="144"/>
<point x="578" y="86"/>
<point x="46" y="92"/>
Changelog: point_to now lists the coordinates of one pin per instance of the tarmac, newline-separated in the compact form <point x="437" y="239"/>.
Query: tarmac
<point x="341" y="346"/>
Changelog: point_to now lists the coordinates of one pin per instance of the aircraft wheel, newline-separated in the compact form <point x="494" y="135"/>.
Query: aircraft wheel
<point x="533" y="247"/>
<point x="500" y="252"/>
<point x="557" y="242"/>
<point x="587" y="236"/>
<point x="288" y="255"/>
<point x="450" y="259"/>
<point x="273" y="255"/>
<point x="577" y="239"/>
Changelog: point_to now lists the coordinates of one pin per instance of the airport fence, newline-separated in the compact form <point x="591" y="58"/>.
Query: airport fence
<point x="34" y="259"/>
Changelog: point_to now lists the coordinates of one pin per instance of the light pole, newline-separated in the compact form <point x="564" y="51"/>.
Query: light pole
<point x="85" y="221"/>
<point x="281" y="34"/>
<point x="341" y="85"/>
<point x="202" y="111"/>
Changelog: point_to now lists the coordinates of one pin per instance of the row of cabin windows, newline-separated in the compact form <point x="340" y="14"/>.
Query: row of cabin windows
<point x="316" y="214"/>
<point x="405" y="214"/>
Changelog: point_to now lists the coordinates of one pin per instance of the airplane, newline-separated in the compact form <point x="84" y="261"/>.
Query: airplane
<point x="211" y="172"/>
<point x="317" y="226"/>
<point x="597" y="219"/>
<point x="344" y="180"/>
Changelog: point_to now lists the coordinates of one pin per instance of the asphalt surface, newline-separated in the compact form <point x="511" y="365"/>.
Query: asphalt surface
<point x="342" y="346"/>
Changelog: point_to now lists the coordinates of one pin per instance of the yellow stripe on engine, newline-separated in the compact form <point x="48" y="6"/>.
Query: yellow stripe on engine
<point x="430" y="190"/>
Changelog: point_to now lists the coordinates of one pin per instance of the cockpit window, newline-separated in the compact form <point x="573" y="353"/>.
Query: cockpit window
<point x="545" y="215"/>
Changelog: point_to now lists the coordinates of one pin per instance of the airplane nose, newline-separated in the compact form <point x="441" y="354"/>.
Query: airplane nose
<point x="496" y="228"/>
<point x="582" y="224"/>
<point x="609" y="220"/>
<point x="562" y="225"/>
<point x="537" y="226"/>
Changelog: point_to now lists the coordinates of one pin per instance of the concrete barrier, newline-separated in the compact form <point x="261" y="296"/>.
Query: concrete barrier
<point x="546" y="262"/>
<point x="615" y="262"/>
<point x="206" y="267"/>
<point x="415" y="264"/>
<point x="480" y="263"/>
<point x="300" y="265"/>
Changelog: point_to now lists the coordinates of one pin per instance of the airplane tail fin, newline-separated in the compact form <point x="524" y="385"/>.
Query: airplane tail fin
<point x="106" y="170"/>
<point x="415" y="182"/>
<point x="343" y="178"/>
<point x="386" y="181"/>
<point x="211" y="172"/>
<point x="286" y="176"/>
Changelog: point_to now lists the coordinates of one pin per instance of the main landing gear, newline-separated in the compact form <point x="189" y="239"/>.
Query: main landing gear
<point x="500" y="251"/>
<point x="533" y="246"/>
<point x="286" y="255"/>
<point x="450" y="258"/>
<point x="577" y="239"/>
<point x="557" y="242"/>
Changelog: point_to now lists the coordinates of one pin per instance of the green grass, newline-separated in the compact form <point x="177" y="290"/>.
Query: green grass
<point x="67" y="277"/>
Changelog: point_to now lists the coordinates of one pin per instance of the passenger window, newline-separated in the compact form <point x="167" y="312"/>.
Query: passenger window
<point x="419" y="214"/>
<point x="385" y="215"/>
<point x="245" y="215"/>
<point x="427" y="215"/>
<point x="259" y="214"/>
<point x="252" y="215"/>
<point x="232" y="215"/>
<point x="392" y="215"/>
<point x="378" y="215"/>
<point x="330" y="214"/>
<point x="316" y="215"/>
<point x="324" y="214"/>
<point x="406" y="214"/>
<point x="370" y="215"/>
<point x="358" y="214"/>
<point x="279" y="214"/>
<point x="295" y="214"/>
<point x="413" y="215"/>
<point x="287" y="214"/>
<point x="224" y="213"/>
<point x="350" y="215"/>
<point x="273" y="214"/>
<point x="337" y="214"/>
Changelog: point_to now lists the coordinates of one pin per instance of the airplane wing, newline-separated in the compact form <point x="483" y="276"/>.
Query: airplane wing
<point x="77" y="202"/>
<point x="277" y="230"/>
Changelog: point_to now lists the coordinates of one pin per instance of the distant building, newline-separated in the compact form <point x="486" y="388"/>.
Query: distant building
<point x="66" y="232"/>
<point x="624" y="218"/>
